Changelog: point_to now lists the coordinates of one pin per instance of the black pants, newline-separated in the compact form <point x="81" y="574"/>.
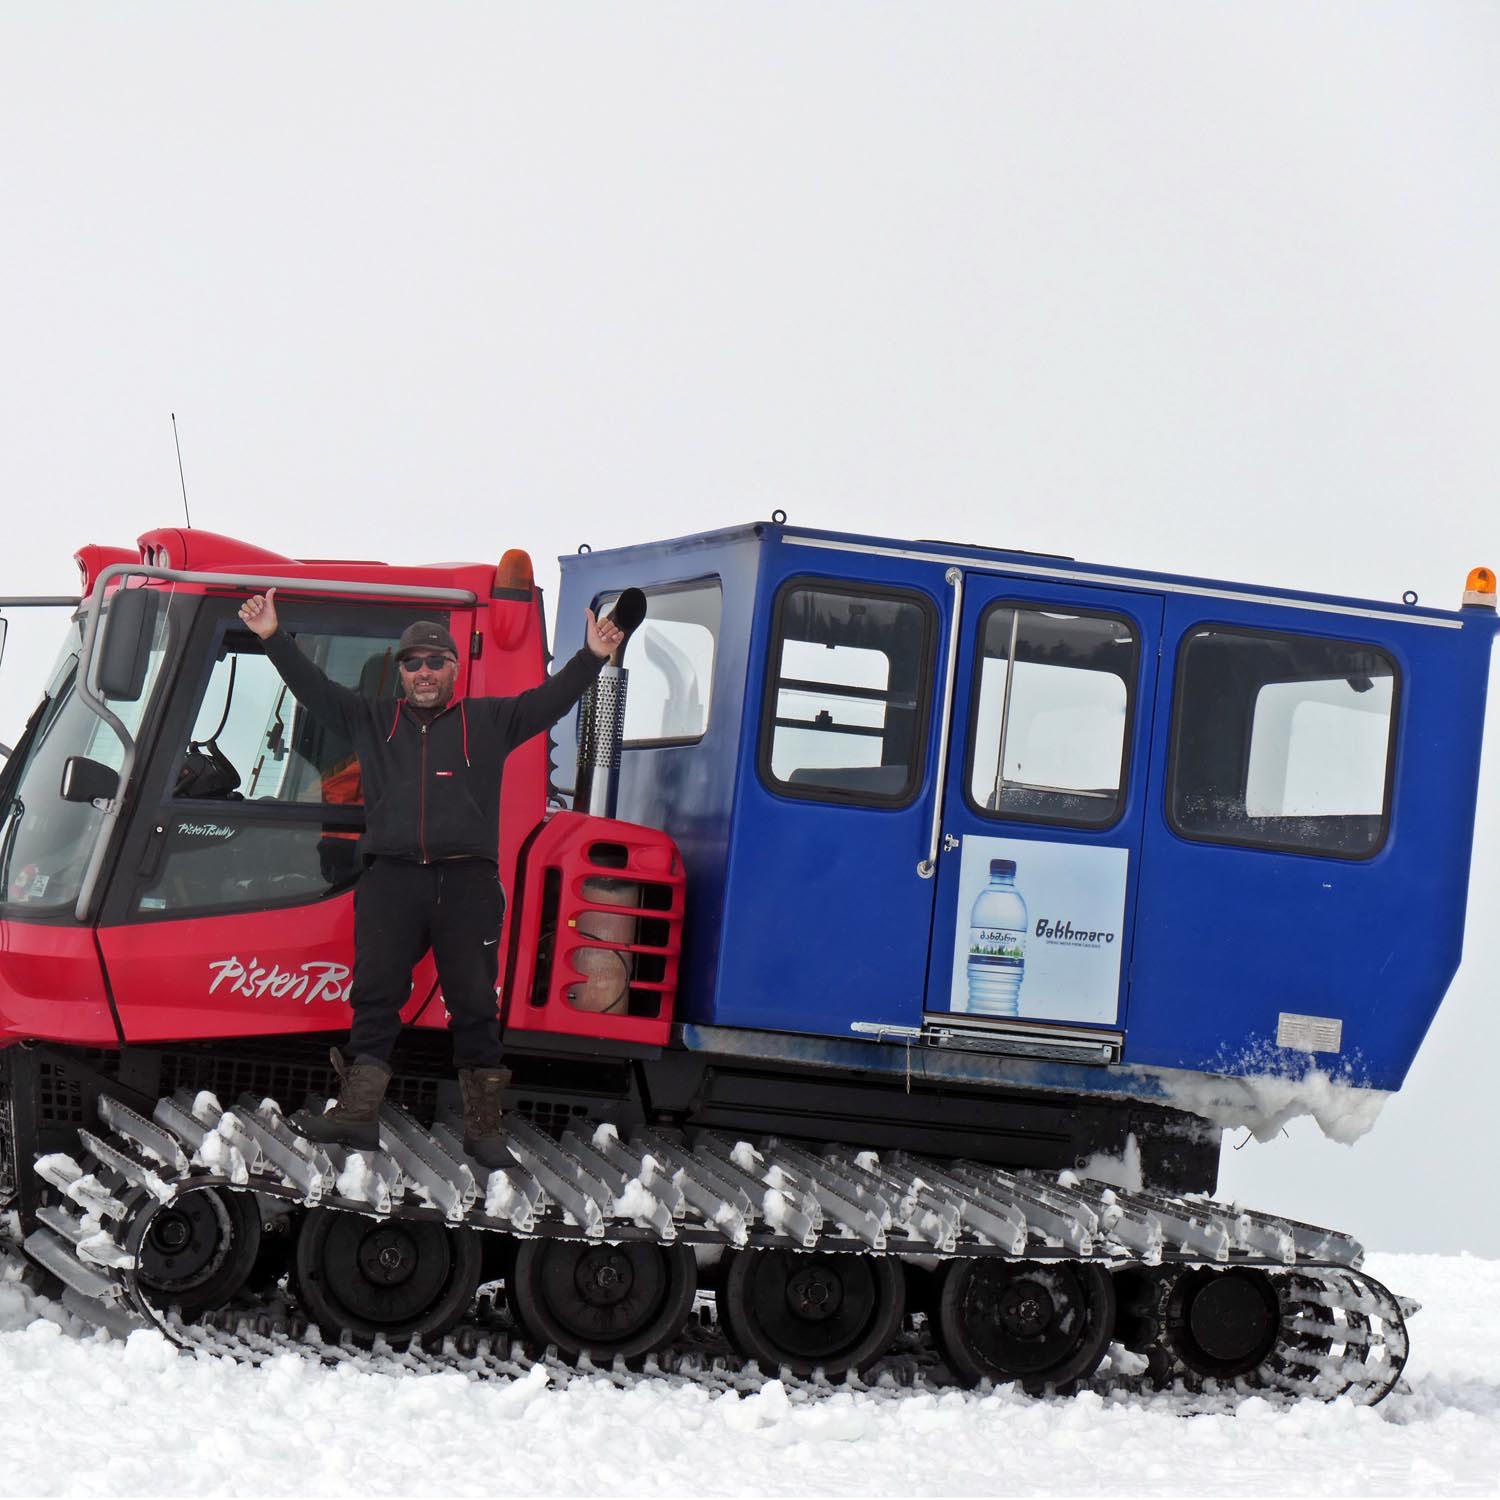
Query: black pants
<point x="401" y="910"/>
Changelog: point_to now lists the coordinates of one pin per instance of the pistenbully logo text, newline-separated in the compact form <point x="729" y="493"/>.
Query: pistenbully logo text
<point x="314" y="980"/>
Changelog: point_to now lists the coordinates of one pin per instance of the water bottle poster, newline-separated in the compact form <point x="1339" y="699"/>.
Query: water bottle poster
<point x="1039" y="931"/>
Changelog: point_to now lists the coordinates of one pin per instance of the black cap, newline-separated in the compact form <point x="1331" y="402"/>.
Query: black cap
<point x="425" y="635"/>
<point x="1002" y="867"/>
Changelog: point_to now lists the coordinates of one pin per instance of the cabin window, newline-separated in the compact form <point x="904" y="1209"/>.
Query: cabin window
<point x="846" y="703"/>
<point x="262" y="804"/>
<point x="46" y="842"/>
<point x="1053" y="695"/>
<point x="1283" y="742"/>
<point x="670" y="658"/>
<point x="207" y="861"/>
<point x="252" y="741"/>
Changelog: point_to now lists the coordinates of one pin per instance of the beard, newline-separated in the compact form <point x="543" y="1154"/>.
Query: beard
<point x="438" y="695"/>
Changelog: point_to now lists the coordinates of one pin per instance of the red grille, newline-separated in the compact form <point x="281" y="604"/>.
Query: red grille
<point x="600" y="932"/>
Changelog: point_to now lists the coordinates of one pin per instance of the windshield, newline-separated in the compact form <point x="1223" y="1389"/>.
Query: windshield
<point x="44" y="841"/>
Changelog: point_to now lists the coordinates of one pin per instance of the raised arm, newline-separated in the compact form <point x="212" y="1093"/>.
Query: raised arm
<point x="541" y="707"/>
<point x="330" y="702"/>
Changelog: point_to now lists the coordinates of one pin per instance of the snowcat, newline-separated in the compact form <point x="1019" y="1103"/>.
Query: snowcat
<point x="889" y="957"/>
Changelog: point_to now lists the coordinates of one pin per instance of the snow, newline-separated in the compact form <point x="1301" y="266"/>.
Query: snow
<point x="501" y="1200"/>
<point x="206" y="1107"/>
<point x="1123" y="1171"/>
<point x="635" y="1202"/>
<point x="89" y="1416"/>
<point x="218" y="1153"/>
<point x="1263" y="1100"/>
<point x="354" y="1178"/>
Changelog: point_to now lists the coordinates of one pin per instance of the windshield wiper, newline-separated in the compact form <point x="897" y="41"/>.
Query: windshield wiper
<point x="18" y="757"/>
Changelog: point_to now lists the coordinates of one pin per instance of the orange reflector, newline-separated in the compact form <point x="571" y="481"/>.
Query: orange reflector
<point x="1480" y="588"/>
<point x="514" y="571"/>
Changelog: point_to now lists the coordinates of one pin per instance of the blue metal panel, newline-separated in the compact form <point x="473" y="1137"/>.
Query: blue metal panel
<point x="1230" y="938"/>
<point x="826" y="920"/>
<point x="686" y="790"/>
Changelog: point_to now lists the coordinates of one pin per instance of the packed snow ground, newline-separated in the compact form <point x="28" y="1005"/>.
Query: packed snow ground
<point x="84" y="1416"/>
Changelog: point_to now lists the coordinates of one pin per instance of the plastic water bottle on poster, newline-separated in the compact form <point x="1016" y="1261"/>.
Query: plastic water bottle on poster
<point x="997" y="945"/>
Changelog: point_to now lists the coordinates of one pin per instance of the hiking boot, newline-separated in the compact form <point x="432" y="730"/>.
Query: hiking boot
<point x="482" y="1090"/>
<point x="355" y="1119"/>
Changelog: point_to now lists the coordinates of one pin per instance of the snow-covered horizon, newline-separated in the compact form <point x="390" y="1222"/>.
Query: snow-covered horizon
<point x="99" y="1417"/>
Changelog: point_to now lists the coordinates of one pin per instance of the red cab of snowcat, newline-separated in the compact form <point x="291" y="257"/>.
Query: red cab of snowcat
<point x="210" y="893"/>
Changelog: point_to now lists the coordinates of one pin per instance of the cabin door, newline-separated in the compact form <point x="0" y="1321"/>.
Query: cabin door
<point x="1044" y="798"/>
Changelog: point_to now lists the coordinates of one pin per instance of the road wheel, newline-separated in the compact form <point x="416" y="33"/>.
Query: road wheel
<point x="1041" y="1323"/>
<point x="199" y="1250"/>
<point x="400" y="1278"/>
<point x="603" y="1300"/>
<point x="1222" y="1323"/>
<point x="812" y="1311"/>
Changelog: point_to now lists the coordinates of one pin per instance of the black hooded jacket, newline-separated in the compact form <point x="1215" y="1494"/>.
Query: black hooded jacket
<point x="431" y="781"/>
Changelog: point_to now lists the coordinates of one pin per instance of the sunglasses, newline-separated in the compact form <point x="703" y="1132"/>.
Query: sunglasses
<point x="432" y="663"/>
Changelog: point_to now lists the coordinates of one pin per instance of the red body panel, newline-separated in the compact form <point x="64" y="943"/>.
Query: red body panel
<point x="287" y="970"/>
<point x="258" y="973"/>
<point x="51" y="986"/>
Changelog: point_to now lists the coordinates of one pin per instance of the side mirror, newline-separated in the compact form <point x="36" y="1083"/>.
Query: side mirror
<point x="85" y="780"/>
<point x="124" y="645"/>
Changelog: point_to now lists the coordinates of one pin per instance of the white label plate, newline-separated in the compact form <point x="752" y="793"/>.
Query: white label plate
<point x="1309" y="1033"/>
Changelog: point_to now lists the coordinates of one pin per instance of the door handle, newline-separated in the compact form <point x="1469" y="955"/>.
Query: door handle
<point x="927" y="868"/>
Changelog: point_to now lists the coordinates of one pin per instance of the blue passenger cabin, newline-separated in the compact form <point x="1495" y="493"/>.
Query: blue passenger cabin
<point x="1238" y="819"/>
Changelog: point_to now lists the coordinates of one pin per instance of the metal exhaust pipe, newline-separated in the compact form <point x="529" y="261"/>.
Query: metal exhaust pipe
<point x="601" y="720"/>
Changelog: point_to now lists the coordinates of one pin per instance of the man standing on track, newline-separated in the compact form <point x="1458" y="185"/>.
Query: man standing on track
<point x="430" y="765"/>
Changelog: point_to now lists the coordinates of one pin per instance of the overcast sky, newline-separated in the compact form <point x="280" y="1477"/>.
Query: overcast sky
<point x="1214" y="289"/>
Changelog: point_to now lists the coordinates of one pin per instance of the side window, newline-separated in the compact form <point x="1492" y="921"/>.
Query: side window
<point x="45" y="842"/>
<point x="252" y="741"/>
<point x="223" y="861"/>
<point x="1053" y="695"/>
<point x="1282" y="741"/>
<point x="264" y="804"/>
<point x="846" y="702"/>
<point x="671" y="663"/>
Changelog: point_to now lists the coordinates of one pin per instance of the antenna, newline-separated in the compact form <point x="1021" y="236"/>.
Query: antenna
<point x="178" y="442"/>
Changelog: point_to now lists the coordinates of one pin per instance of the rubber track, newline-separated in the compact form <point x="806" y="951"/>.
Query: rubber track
<point x="1343" y="1333"/>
